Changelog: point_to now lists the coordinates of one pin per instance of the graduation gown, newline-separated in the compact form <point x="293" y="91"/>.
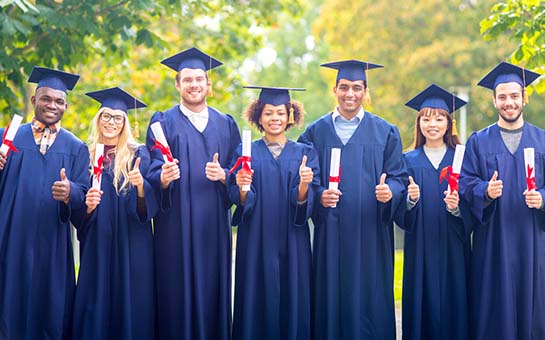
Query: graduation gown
<point x="273" y="260"/>
<point x="436" y="257"/>
<point x="36" y="261"/>
<point x="193" y="229"/>
<point x="115" y="291"/>
<point x="354" y="242"/>
<point x="507" y="290"/>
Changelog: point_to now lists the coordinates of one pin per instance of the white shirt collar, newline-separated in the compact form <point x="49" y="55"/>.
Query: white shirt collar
<point x="336" y="114"/>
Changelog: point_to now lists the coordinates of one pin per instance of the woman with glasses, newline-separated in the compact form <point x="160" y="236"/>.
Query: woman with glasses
<point x="115" y="290"/>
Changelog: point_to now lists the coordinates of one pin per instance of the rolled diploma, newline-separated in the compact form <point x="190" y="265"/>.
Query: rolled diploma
<point x="247" y="151"/>
<point x="99" y="152"/>
<point x="457" y="160"/>
<point x="529" y="162"/>
<point x="334" y="168"/>
<point x="12" y="130"/>
<point x="160" y="136"/>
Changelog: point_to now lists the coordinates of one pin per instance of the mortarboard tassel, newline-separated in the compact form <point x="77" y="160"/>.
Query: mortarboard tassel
<point x="525" y="99"/>
<point x="367" y="98"/>
<point x="210" y="92"/>
<point x="291" y="119"/>
<point x="136" y="130"/>
<point x="454" y="128"/>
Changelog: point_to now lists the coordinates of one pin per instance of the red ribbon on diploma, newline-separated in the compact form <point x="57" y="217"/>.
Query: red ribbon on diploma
<point x="245" y="161"/>
<point x="336" y="179"/>
<point x="165" y="150"/>
<point x="530" y="181"/>
<point x="451" y="177"/>
<point x="97" y="170"/>
<point x="8" y="143"/>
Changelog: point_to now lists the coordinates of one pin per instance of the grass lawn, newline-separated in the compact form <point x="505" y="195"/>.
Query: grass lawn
<point x="398" y="276"/>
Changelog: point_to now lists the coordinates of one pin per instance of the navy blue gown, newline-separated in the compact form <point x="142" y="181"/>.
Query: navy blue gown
<point x="193" y="229"/>
<point x="115" y="291"/>
<point x="436" y="258"/>
<point x="37" y="279"/>
<point x="273" y="260"/>
<point x="507" y="289"/>
<point x="353" y="268"/>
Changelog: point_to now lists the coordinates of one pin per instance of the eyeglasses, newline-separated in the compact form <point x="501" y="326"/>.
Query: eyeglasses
<point x="118" y="119"/>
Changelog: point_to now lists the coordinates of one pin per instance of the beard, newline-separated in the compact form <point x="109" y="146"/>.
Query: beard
<point x="510" y="119"/>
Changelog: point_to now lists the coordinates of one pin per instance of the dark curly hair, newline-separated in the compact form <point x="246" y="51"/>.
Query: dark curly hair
<point x="255" y="109"/>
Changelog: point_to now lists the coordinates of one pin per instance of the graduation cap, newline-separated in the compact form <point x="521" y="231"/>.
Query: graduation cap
<point x="116" y="99"/>
<point x="191" y="58"/>
<point x="351" y="69"/>
<point x="436" y="97"/>
<point x="507" y="73"/>
<point x="57" y="80"/>
<point x="276" y="96"/>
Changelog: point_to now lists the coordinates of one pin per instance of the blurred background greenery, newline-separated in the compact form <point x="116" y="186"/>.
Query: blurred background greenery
<point x="275" y="43"/>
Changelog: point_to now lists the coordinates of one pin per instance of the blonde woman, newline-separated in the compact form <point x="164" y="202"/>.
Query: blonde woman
<point x="115" y="291"/>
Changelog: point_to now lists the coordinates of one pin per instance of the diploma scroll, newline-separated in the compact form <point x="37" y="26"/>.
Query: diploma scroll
<point x="335" y="169"/>
<point x="9" y="135"/>
<point x="452" y="173"/>
<point x="97" y="166"/>
<point x="247" y="153"/>
<point x="161" y="142"/>
<point x="529" y="166"/>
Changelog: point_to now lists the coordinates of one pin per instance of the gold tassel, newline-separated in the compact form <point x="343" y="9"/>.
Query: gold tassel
<point x="291" y="119"/>
<point x="454" y="128"/>
<point x="525" y="99"/>
<point x="210" y="91"/>
<point x="367" y="98"/>
<point x="136" y="130"/>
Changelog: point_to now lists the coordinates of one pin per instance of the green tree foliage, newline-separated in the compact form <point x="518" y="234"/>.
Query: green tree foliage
<point x="524" y="22"/>
<point x="418" y="42"/>
<point x="120" y="43"/>
<point x="295" y="62"/>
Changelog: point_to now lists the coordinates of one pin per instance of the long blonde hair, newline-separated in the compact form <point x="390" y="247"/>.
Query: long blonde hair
<point x="124" y="150"/>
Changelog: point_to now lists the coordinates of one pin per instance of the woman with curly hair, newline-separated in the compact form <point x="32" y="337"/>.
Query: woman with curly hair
<point x="273" y="259"/>
<point x="115" y="290"/>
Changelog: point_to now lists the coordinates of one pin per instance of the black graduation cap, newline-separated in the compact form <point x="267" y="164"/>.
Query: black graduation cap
<point x="436" y="97"/>
<point x="351" y="69"/>
<point x="57" y="80"/>
<point x="191" y="58"/>
<point x="274" y="95"/>
<point x="116" y="99"/>
<point x="507" y="73"/>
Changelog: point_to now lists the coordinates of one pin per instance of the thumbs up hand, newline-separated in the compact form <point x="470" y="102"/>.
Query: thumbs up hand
<point x="214" y="171"/>
<point x="382" y="190"/>
<point x="136" y="179"/>
<point x="305" y="173"/>
<point x="495" y="186"/>
<point x="61" y="189"/>
<point x="413" y="189"/>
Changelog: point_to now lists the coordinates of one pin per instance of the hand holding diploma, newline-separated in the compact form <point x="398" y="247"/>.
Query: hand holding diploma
<point x="452" y="199"/>
<point x="97" y="166"/>
<point x="382" y="190"/>
<point x="170" y="171"/>
<point x="92" y="199"/>
<point x="331" y="196"/>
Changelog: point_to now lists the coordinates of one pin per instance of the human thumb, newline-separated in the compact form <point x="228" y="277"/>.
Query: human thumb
<point x="382" y="179"/>
<point x="63" y="174"/>
<point x="216" y="158"/>
<point x="304" y="161"/>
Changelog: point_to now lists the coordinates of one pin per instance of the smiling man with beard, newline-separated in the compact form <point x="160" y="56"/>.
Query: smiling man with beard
<point x="41" y="183"/>
<point x="507" y="289"/>
<point x="192" y="231"/>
